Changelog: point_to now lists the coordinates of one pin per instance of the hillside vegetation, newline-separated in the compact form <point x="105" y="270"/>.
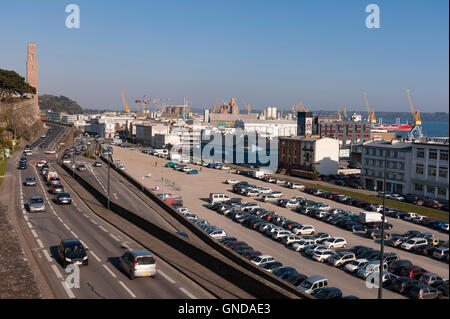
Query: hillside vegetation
<point x="60" y="104"/>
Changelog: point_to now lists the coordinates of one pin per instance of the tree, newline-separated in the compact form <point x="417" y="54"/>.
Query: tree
<point x="12" y="84"/>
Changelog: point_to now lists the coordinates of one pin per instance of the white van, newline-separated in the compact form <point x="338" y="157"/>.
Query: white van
<point x="371" y="267"/>
<point x="313" y="283"/>
<point x="217" y="197"/>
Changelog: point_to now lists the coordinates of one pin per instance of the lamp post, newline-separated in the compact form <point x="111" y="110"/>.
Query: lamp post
<point x="380" y="280"/>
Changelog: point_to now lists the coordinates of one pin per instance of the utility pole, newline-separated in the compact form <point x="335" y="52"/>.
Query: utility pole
<point x="109" y="167"/>
<point x="380" y="280"/>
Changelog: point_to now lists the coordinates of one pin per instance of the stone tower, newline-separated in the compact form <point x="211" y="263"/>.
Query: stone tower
<point x="32" y="75"/>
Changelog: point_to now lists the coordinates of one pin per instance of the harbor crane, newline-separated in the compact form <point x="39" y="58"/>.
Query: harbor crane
<point x="416" y="131"/>
<point x="125" y="104"/>
<point x="339" y="114"/>
<point x="371" y="113"/>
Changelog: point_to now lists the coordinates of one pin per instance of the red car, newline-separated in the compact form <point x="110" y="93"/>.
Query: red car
<point x="430" y="204"/>
<point x="412" y="271"/>
<point x="57" y="188"/>
<point x="251" y="254"/>
<point x="235" y="244"/>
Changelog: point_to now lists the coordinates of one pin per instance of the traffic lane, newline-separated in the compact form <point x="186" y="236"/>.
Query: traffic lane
<point x="123" y="196"/>
<point x="51" y="228"/>
<point x="110" y="244"/>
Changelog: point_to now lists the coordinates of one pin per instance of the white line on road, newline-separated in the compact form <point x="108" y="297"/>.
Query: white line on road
<point x="93" y="221"/>
<point x="57" y="272"/>
<point x="86" y="215"/>
<point x="47" y="255"/>
<point x="115" y="196"/>
<point x="75" y="235"/>
<point x="95" y="256"/>
<point x="102" y="228"/>
<point x="167" y="277"/>
<point x="115" y="238"/>
<point x="109" y="270"/>
<point x="188" y="293"/>
<point x="34" y="233"/>
<point x="40" y="243"/>
<point x="127" y="289"/>
<point x="66" y="226"/>
<point x="29" y="225"/>
<point x="68" y="290"/>
<point x="84" y="244"/>
<point x="25" y="217"/>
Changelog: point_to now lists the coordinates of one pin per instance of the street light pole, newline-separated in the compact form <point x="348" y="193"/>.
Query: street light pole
<point x="380" y="280"/>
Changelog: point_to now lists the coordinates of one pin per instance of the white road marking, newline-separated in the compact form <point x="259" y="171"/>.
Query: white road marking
<point x="115" y="196"/>
<point x="93" y="221"/>
<point x="167" y="277"/>
<point x="187" y="293"/>
<point x="66" y="226"/>
<point x="57" y="272"/>
<point x="68" y="290"/>
<point x="115" y="238"/>
<point x="25" y="217"/>
<point x="95" y="256"/>
<point x="29" y="225"/>
<point x="102" y="228"/>
<point x="59" y="218"/>
<point x="84" y="244"/>
<point x="34" y="233"/>
<point x="109" y="270"/>
<point x="40" y="243"/>
<point x="47" y="255"/>
<point x="75" y="235"/>
<point x="86" y="215"/>
<point x="127" y="289"/>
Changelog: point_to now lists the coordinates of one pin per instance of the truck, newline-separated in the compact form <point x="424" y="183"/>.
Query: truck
<point x="161" y="151"/>
<point x="257" y="174"/>
<point x="367" y="217"/>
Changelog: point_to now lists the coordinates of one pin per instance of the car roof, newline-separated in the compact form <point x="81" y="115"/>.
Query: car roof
<point x="71" y="241"/>
<point x="316" y="278"/>
<point x="139" y="253"/>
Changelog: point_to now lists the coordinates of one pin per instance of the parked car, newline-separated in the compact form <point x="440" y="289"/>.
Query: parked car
<point x="335" y="242"/>
<point x="354" y="265"/>
<point x="327" y="293"/>
<point x="262" y="259"/>
<point x="396" y="266"/>
<point x="420" y="290"/>
<point x="375" y="234"/>
<point x="412" y="271"/>
<point x="313" y="283"/>
<point x="340" y="258"/>
<point x="271" y="265"/>
<point x="412" y="243"/>
<point x="402" y="284"/>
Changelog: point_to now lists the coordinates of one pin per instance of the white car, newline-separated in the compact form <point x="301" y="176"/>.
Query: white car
<point x="296" y="186"/>
<point x="411" y="216"/>
<point x="250" y="193"/>
<point x="225" y="167"/>
<point x="262" y="259"/>
<point x="418" y="219"/>
<point x="304" y="230"/>
<point x="292" y="203"/>
<point x="445" y="228"/>
<point x="280" y="234"/>
<point x="289" y="240"/>
<point x="265" y="190"/>
<point x="321" y="255"/>
<point x="354" y="265"/>
<point x="277" y="194"/>
<point x="182" y="209"/>
<point x="301" y="244"/>
<point x="50" y="152"/>
<point x="186" y="169"/>
<point x="410" y="244"/>
<point x="231" y="181"/>
<point x="395" y="197"/>
<point x="269" y="198"/>
<point x="335" y="242"/>
<point x="218" y="234"/>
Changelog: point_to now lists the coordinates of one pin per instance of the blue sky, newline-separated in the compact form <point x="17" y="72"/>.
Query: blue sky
<point x="262" y="52"/>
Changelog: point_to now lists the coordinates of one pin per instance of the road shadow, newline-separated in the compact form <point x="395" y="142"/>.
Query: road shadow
<point x="54" y="255"/>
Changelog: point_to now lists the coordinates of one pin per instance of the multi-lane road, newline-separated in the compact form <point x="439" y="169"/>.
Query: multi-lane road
<point x="102" y="278"/>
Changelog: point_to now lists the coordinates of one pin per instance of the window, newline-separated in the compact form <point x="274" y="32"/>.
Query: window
<point x="418" y="187"/>
<point x="432" y="154"/>
<point x="431" y="189"/>
<point x="419" y="169"/>
<point x="443" y="172"/>
<point x="442" y="191"/>
<point x="420" y="153"/>
<point x="431" y="170"/>
<point x="443" y="155"/>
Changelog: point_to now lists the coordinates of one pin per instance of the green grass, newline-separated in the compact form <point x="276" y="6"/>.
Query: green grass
<point x="429" y="212"/>
<point x="4" y="162"/>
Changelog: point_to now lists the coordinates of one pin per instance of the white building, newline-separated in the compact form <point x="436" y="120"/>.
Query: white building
<point x="268" y="127"/>
<point x="300" y="155"/>
<point x="429" y="169"/>
<point x="146" y="132"/>
<point x="398" y="166"/>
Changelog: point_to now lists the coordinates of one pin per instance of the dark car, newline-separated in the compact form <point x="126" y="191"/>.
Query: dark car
<point x="64" y="198"/>
<point x="72" y="251"/>
<point x="271" y="265"/>
<point x="327" y="293"/>
<point x="226" y="239"/>
<point x="443" y="287"/>
<point x="411" y="198"/>
<point x="421" y="291"/>
<point x="402" y="284"/>
<point x="396" y="266"/>
<point x="412" y="271"/>
<point x="284" y="272"/>
<point x="425" y="250"/>
<point x="251" y="254"/>
<point x="22" y="165"/>
<point x="296" y="279"/>
<point x="243" y="249"/>
<point x="375" y="234"/>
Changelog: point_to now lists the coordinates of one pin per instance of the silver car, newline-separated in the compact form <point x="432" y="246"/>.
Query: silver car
<point x="36" y="204"/>
<point x="138" y="263"/>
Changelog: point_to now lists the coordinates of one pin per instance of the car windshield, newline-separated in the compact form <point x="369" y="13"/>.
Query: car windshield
<point x="36" y="200"/>
<point x="73" y="248"/>
<point x="306" y="284"/>
<point x="146" y="260"/>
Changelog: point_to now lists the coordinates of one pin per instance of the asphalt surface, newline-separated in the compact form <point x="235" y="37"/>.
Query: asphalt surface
<point x="102" y="278"/>
<point x="195" y="190"/>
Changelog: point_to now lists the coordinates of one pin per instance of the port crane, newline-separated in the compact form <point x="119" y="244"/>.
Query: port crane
<point x="339" y="113"/>
<point x="345" y="113"/>
<point x="125" y="104"/>
<point x="416" y="131"/>
<point x="371" y="113"/>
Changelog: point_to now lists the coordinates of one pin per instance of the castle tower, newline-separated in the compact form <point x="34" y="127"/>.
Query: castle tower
<point x="32" y="74"/>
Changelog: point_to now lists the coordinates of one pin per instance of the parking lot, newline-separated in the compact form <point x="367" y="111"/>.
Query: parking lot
<point x="195" y="190"/>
